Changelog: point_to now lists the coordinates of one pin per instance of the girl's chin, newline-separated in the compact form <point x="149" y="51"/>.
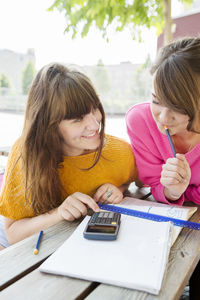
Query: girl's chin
<point x="162" y="130"/>
<point x="93" y="146"/>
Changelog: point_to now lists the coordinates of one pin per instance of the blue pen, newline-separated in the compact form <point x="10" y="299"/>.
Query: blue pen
<point x="38" y="243"/>
<point x="170" y="140"/>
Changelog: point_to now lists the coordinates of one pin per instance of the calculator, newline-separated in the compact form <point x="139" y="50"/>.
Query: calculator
<point x="103" y="225"/>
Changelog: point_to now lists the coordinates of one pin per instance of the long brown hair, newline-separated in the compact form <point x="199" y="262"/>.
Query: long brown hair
<point x="177" y="78"/>
<point x="57" y="93"/>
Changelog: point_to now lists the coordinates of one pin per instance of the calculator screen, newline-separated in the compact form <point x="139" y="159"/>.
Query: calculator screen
<point x="101" y="229"/>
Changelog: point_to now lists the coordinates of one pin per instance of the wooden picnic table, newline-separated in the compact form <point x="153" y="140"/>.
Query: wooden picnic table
<point x="21" y="279"/>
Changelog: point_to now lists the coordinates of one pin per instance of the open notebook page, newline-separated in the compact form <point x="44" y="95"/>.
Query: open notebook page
<point x="136" y="260"/>
<point x="172" y="211"/>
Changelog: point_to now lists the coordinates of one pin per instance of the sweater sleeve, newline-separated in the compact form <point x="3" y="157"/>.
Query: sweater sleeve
<point x="12" y="197"/>
<point x="192" y="193"/>
<point x="149" y="160"/>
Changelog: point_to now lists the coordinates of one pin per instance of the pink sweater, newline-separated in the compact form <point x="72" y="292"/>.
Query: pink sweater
<point x="151" y="149"/>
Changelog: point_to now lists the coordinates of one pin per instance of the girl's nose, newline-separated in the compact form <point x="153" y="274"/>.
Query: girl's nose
<point x="91" y="122"/>
<point x="165" y="116"/>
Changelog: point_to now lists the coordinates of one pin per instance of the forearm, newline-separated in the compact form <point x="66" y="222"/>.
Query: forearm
<point x="23" y="228"/>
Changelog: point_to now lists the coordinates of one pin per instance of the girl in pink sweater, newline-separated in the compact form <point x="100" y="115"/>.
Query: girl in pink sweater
<point x="175" y="104"/>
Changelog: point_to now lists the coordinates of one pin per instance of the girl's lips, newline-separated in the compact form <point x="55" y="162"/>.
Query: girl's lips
<point x="91" y="136"/>
<point x="166" y="126"/>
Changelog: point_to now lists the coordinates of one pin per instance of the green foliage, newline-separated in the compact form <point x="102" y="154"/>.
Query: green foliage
<point x="4" y="81"/>
<point x="27" y="77"/>
<point x="81" y="14"/>
<point x="142" y="82"/>
<point x="135" y="14"/>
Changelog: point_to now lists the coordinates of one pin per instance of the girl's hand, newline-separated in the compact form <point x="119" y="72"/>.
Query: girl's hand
<point x="108" y="193"/>
<point x="175" y="176"/>
<point x="75" y="206"/>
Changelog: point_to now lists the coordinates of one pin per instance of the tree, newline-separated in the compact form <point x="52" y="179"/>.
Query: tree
<point x="4" y="84"/>
<point x="101" y="78"/>
<point x="142" y="83"/>
<point x="27" y="76"/>
<point x="4" y="81"/>
<point x="134" y="14"/>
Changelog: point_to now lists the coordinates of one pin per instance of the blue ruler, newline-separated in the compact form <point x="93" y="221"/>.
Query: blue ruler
<point x="149" y="216"/>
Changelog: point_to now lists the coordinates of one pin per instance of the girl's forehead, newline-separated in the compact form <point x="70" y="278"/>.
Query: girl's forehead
<point x="77" y="113"/>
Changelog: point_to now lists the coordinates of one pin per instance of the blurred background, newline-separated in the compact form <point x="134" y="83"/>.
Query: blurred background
<point x="113" y="42"/>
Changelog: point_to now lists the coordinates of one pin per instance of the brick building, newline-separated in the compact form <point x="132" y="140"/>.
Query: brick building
<point x="188" y="24"/>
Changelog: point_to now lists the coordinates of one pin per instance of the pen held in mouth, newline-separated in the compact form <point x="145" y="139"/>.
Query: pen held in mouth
<point x="170" y="140"/>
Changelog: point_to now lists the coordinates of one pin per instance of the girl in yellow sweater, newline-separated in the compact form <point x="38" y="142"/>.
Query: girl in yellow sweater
<point x="63" y="162"/>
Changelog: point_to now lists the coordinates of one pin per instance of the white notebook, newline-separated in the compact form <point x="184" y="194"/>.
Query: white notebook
<point x="172" y="211"/>
<point x="136" y="260"/>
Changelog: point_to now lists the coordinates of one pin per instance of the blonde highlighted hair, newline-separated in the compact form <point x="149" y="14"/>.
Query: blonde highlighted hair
<point x="177" y="78"/>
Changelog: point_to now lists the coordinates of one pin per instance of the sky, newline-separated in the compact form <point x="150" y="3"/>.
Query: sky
<point x="26" y="24"/>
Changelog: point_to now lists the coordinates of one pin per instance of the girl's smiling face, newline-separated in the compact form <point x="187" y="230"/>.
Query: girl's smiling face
<point x="81" y="134"/>
<point x="163" y="116"/>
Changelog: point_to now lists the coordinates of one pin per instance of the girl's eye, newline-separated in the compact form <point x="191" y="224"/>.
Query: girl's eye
<point x="154" y="99"/>
<point x="78" y="120"/>
<point x="155" y="102"/>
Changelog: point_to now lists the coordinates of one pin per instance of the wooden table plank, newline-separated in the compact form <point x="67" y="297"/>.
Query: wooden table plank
<point x="40" y="286"/>
<point x="18" y="259"/>
<point x="182" y="257"/>
<point x="109" y="292"/>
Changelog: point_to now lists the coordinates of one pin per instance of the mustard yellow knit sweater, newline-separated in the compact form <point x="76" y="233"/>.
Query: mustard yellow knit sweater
<point x="116" y="166"/>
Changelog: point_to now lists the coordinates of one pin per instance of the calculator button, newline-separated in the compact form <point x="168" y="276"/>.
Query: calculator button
<point x="110" y="215"/>
<point x="116" y="217"/>
<point x="94" y="217"/>
<point x="98" y="220"/>
<point x="101" y="214"/>
<point x="106" y="215"/>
